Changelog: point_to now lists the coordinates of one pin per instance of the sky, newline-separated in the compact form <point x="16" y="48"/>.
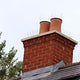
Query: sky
<point x="21" y="18"/>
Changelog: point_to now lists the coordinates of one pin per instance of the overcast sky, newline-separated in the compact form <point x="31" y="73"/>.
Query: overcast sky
<point x="20" y="19"/>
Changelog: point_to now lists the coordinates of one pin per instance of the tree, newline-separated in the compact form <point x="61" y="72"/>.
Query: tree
<point x="9" y="67"/>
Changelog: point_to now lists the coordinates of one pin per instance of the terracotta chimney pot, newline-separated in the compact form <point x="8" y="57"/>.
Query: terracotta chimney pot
<point x="44" y="26"/>
<point x="55" y="24"/>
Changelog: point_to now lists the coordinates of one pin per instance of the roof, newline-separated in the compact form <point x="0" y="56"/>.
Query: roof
<point x="65" y="73"/>
<point x="50" y="32"/>
<point x="59" y="71"/>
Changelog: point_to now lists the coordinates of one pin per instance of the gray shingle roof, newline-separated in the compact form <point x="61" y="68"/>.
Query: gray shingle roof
<point x="72" y="70"/>
<point x="63" y="72"/>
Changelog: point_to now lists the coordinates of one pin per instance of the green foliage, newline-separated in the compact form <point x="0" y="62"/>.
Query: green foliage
<point x="9" y="67"/>
<point x="2" y="45"/>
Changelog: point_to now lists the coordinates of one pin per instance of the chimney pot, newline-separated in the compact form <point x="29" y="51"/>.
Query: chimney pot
<point x="55" y="24"/>
<point x="44" y="26"/>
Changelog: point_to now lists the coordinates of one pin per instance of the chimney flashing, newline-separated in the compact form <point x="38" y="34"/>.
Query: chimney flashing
<point x="50" y="32"/>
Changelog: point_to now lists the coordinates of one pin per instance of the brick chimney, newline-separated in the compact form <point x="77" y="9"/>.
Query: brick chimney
<point x="47" y="48"/>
